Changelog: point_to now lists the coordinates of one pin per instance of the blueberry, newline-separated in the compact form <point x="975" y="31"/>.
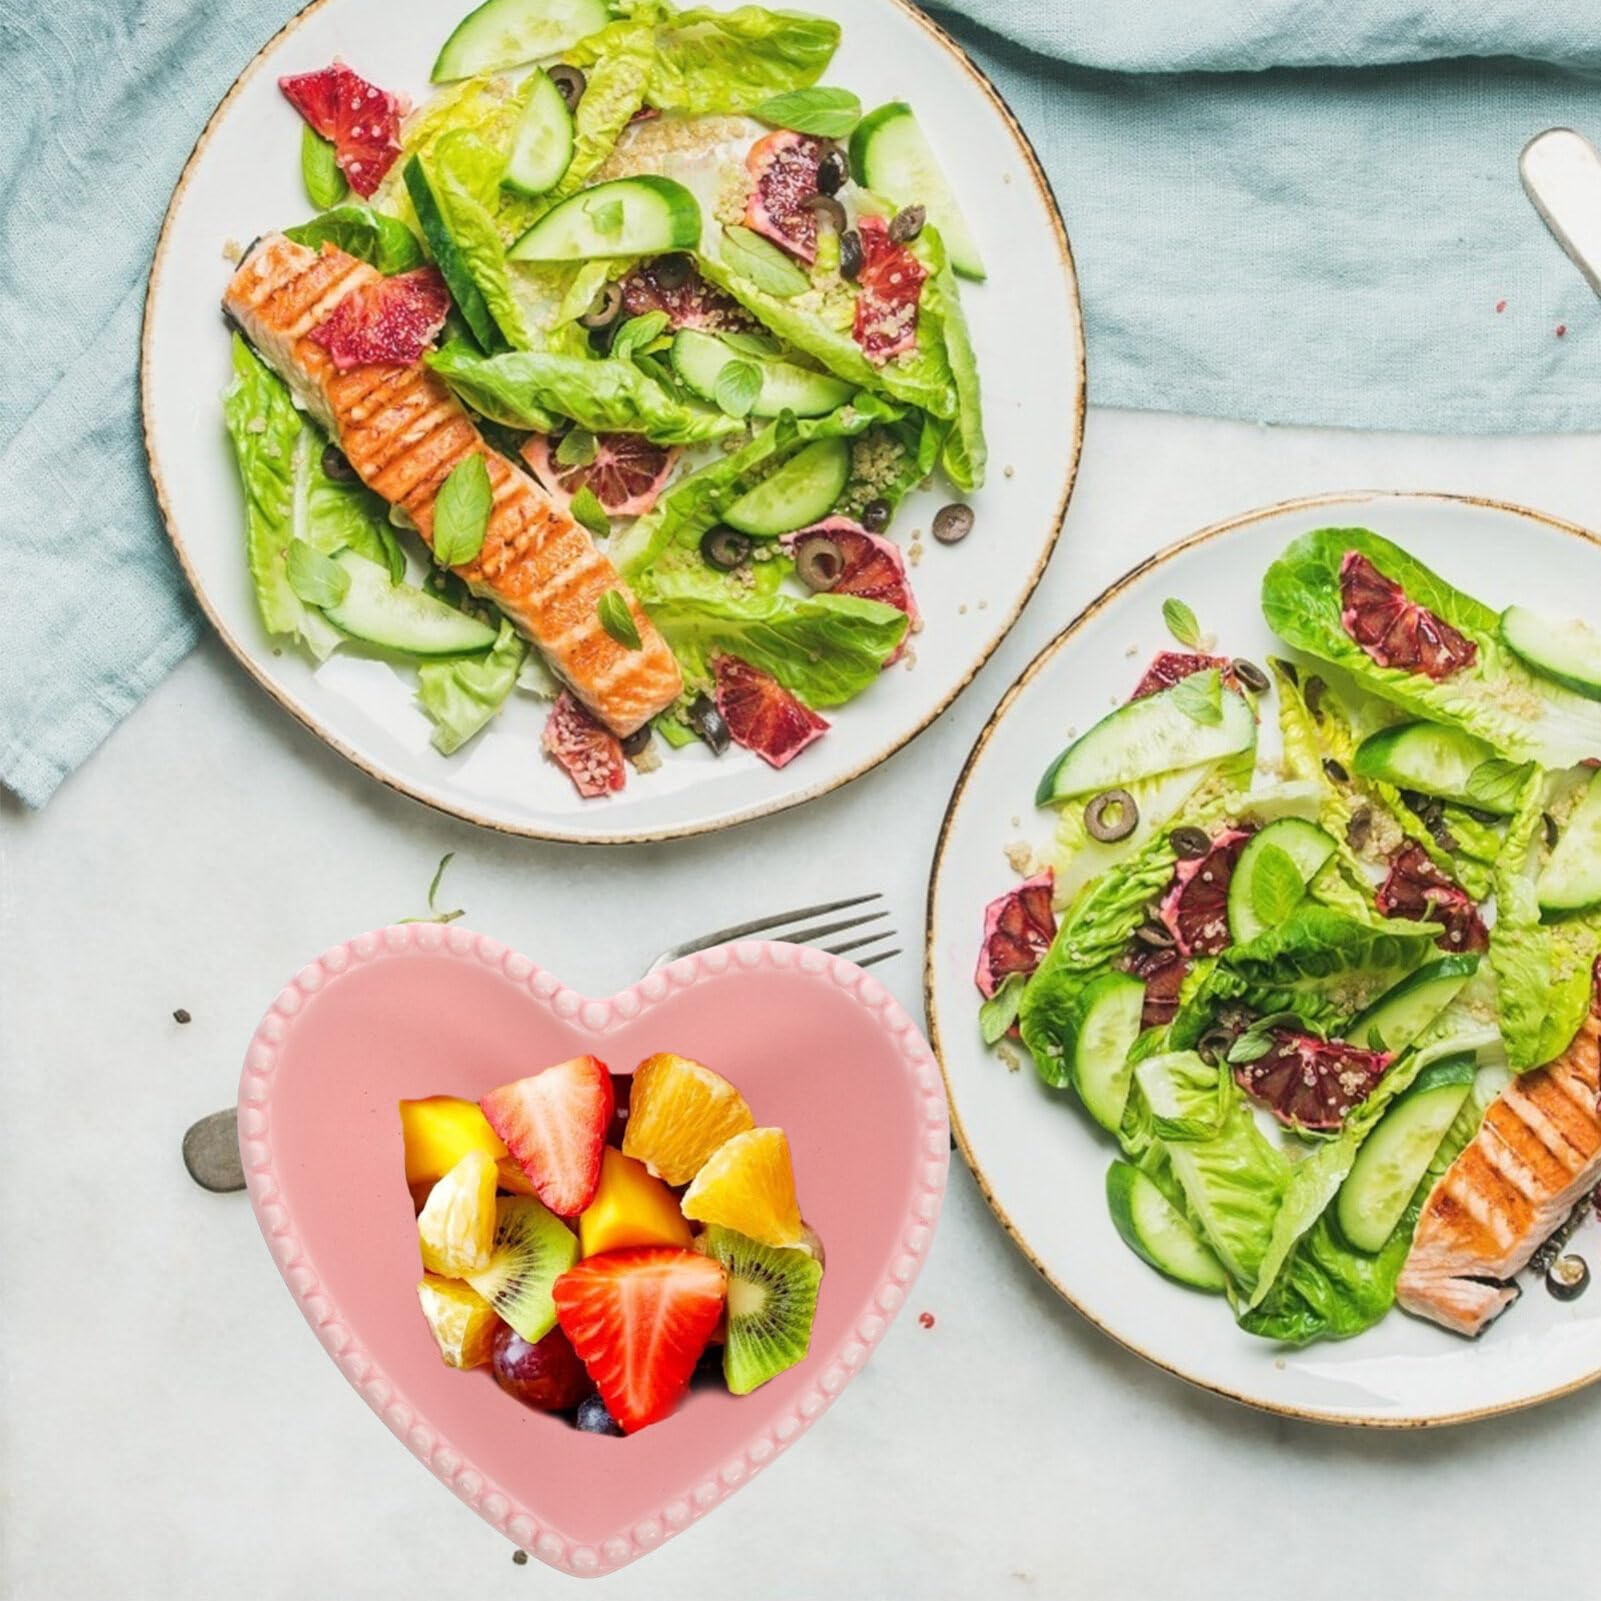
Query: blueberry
<point x="593" y="1418"/>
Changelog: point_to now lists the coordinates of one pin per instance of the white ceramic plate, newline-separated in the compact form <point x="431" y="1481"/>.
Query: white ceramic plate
<point x="243" y="179"/>
<point x="1041" y="1164"/>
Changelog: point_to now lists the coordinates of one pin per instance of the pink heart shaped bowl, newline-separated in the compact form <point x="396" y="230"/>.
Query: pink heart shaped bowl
<point x="816" y="1046"/>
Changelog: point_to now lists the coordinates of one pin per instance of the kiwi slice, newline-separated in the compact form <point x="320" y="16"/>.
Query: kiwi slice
<point x="533" y="1248"/>
<point x="772" y="1298"/>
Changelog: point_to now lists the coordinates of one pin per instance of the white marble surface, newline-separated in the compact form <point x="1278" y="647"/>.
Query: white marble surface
<point x="169" y="1427"/>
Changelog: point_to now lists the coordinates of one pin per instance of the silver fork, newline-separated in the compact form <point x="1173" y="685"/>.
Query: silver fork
<point x="211" y="1146"/>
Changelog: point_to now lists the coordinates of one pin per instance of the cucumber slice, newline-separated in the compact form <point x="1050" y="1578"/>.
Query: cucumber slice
<point x="890" y="156"/>
<point x="1145" y="739"/>
<point x="542" y="147"/>
<point x="1102" y="1026"/>
<point x="699" y="358"/>
<point x="1563" y="649"/>
<point x="1571" y="879"/>
<point x="510" y="33"/>
<point x="644" y="216"/>
<point x="452" y="264"/>
<point x="1306" y="845"/>
<point x="1396" y="1155"/>
<point x="1154" y="1229"/>
<point x="401" y="616"/>
<point x="801" y="492"/>
<point x="1402" y="1012"/>
<point x="1429" y="757"/>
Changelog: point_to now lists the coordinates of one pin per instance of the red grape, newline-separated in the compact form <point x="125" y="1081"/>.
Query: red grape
<point x="547" y="1376"/>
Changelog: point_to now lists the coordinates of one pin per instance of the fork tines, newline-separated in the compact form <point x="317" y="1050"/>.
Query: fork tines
<point x="777" y="927"/>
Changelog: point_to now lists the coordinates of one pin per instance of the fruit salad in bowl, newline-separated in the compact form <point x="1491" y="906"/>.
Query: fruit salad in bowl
<point x="599" y="1241"/>
<point x="600" y="374"/>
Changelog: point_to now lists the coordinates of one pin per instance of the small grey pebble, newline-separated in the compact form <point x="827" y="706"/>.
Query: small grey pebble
<point x="182" y="1015"/>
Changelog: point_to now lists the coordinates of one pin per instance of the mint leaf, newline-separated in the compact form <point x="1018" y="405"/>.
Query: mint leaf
<point x="606" y="216"/>
<point x="828" y="113"/>
<point x="1495" y="784"/>
<point x="589" y="513"/>
<point x="999" y="1012"/>
<point x="765" y="265"/>
<point x="461" y="513"/>
<point x="317" y="579"/>
<point x="638" y="332"/>
<point x="1200" y="697"/>
<point x="1181" y="623"/>
<point x="1249" y="1047"/>
<point x="738" y="386"/>
<point x="319" y="171"/>
<point x="1277" y="887"/>
<point x="617" y="620"/>
<point x="576" y="448"/>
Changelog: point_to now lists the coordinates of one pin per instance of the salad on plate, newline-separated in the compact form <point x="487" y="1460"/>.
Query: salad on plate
<point x="600" y="375"/>
<point x="1330" y="989"/>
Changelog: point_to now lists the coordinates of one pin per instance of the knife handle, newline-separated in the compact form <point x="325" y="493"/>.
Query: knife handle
<point x="1561" y="173"/>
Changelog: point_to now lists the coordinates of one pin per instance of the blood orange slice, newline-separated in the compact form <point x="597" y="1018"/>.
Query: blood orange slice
<point x="872" y="568"/>
<point x="1196" y="905"/>
<point x="1415" y="888"/>
<point x="761" y="714"/>
<point x="1311" y="1083"/>
<point x="684" y="297"/>
<point x="589" y="754"/>
<point x="1171" y="666"/>
<point x="783" y="169"/>
<point x="627" y="474"/>
<point x="890" y="284"/>
<point x="1018" y="929"/>
<point x="1395" y="631"/>
<point x="390" y="321"/>
<point x="1164" y="972"/>
<point x="362" y="121"/>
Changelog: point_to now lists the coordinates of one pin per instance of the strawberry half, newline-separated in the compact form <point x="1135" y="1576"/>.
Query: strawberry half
<point x="639" y="1321"/>
<point x="555" y="1125"/>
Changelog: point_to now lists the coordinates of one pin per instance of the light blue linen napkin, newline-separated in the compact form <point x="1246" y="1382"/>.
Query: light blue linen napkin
<point x="1282" y="211"/>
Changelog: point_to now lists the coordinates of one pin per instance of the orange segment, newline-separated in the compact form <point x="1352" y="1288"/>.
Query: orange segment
<point x="463" y="1323"/>
<point x="678" y="1114"/>
<point x="456" y="1227"/>
<point x="630" y="1208"/>
<point x="748" y="1185"/>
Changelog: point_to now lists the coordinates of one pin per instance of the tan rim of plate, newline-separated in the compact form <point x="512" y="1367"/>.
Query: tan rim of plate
<point x="1029" y="673"/>
<point x="1042" y="185"/>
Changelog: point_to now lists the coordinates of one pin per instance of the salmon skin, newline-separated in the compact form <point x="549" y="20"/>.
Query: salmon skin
<point x="1535" y="1157"/>
<point x="404" y="433"/>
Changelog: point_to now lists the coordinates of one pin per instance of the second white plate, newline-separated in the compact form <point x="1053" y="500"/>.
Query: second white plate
<point x="1041" y="1164"/>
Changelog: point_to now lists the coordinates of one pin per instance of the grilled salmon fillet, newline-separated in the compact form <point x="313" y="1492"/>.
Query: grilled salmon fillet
<point x="404" y="432"/>
<point x="1535" y="1157"/>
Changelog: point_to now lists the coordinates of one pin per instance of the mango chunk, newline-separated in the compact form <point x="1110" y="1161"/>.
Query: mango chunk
<point x="439" y="1131"/>
<point x="630" y="1208"/>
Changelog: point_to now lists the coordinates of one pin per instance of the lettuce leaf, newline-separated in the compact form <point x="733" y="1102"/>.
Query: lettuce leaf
<point x="1542" y="971"/>
<point x="705" y="61"/>
<point x="1525" y="717"/>
<point x="382" y="241"/>
<point x="288" y="496"/>
<point x="921" y="378"/>
<point x="825" y="649"/>
<point x="1232" y="1177"/>
<point x="529" y="388"/>
<point x="619" y="63"/>
<point x="488" y="107"/>
<point x="460" y="696"/>
<point x="965" y="453"/>
<point x="1329" y="1291"/>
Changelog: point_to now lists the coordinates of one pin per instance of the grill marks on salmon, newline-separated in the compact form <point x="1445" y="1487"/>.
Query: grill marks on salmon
<point x="1535" y="1157"/>
<point x="403" y="433"/>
